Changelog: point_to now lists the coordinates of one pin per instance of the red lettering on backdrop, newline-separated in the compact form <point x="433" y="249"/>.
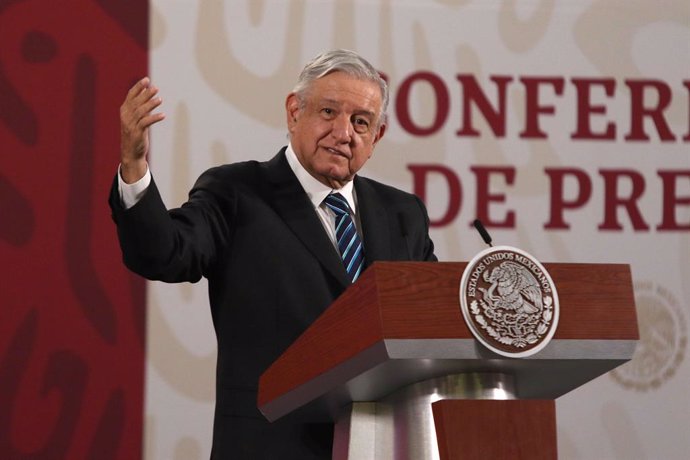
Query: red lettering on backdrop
<point x="614" y="198"/>
<point x="473" y="94"/>
<point x="559" y="203"/>
<point x="687" y="86"/>
<point x="639" y="111"/>
<point x="402" y="103"/>
<point x="474" y="97"/>
<point x="613" y="201"/>
<point x="420" y="173"/>
<point x="72" y="328"/>
<point x="533" y="107"/>
<point x="585" y="109"/>
<point x="485" y="197"/>
<point x="671" y="201"/>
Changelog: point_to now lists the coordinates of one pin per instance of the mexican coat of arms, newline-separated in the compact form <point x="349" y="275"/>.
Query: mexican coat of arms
<point x="509" y="301"/>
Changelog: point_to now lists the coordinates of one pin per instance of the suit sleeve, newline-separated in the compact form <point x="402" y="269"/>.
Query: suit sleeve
<point x="172" y="246"/>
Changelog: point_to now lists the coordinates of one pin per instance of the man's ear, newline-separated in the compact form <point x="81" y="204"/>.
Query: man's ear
<point x="291" y="110"/>
<point x="379" y="134"/>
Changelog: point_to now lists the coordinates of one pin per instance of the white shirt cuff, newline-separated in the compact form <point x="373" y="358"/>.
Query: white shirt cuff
<point x="130" y="194"/>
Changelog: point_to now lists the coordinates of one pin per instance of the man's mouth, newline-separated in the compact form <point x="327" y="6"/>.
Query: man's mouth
<point x="338" y="152"/>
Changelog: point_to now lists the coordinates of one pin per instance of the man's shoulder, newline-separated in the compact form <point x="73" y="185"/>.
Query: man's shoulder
<point x="248" y="172"/>
<point x="231" y="170"/>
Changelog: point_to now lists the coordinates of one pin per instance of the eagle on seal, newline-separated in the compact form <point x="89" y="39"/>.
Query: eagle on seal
<point x="513" y="287"/>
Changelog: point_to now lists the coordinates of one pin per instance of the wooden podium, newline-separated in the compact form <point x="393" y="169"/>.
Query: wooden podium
<point x="393" y="363"/>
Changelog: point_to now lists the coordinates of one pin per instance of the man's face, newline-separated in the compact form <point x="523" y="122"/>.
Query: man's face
<point x="336" y="128"/>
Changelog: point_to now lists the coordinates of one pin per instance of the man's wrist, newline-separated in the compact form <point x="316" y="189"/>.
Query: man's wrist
<point x="131" y="193"/>
<point x="132" y="171"/>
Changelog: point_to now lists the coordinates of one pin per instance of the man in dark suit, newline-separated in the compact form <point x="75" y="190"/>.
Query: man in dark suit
<point x="266" y="236"/>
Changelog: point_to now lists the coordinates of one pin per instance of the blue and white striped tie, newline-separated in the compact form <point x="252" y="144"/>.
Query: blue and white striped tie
<point x="349" y="243"/>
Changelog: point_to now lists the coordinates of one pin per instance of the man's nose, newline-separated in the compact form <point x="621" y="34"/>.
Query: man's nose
<point x="342" y="129"/>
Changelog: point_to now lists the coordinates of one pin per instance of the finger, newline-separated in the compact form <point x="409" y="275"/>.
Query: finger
<point x="152" y="103"/>
<point x="138" y="87"/>
<point x="146" y="108"/>
<point x="141" y="93"/>
<point x="144" y="95"/>
<point x="150" y="120"/>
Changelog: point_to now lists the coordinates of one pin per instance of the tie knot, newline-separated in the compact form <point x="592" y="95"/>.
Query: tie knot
<point x="337" y="203"/>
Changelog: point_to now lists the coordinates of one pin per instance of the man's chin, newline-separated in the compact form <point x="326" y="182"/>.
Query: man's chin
<point x="336" y="177"/>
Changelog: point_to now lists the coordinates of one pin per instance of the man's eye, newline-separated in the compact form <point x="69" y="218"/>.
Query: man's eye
<point x="327" y="111"/>
<point x="361" y="125"/>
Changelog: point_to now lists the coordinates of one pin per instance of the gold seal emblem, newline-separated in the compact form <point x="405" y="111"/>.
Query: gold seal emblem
<point x="509" y="301"/>
<point x="663" y="339"/>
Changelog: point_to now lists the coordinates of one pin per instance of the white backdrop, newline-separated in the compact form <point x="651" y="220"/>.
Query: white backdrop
<point x="614" y="72"/>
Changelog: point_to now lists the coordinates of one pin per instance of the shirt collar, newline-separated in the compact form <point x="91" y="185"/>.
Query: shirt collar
<point x="316" y="191"/>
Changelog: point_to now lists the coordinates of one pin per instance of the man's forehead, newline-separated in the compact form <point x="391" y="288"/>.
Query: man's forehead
<point x="346" y="89"/>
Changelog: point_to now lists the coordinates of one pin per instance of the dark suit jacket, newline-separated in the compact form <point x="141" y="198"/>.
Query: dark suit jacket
<point x="251" y="230"/>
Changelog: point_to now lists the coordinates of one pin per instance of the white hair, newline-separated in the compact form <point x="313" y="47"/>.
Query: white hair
<point x="345" y="61"/>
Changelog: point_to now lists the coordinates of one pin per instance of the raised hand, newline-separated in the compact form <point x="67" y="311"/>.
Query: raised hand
<point x="136" y="117"/>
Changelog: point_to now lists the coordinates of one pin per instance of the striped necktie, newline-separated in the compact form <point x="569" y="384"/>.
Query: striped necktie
<point x="349" y="243"/>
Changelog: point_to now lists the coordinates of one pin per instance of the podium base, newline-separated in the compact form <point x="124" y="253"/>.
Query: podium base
<point x="401" y="426"/>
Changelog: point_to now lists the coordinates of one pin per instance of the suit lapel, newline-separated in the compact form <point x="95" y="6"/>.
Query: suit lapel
<point x="292" y="204"/>
<point x="373" y="217"/>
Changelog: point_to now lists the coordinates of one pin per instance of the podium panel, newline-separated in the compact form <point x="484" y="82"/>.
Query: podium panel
<point x="482" y="429"/>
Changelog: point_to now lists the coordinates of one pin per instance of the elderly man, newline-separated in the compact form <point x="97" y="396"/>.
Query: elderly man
<point x="277" y="240"/>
